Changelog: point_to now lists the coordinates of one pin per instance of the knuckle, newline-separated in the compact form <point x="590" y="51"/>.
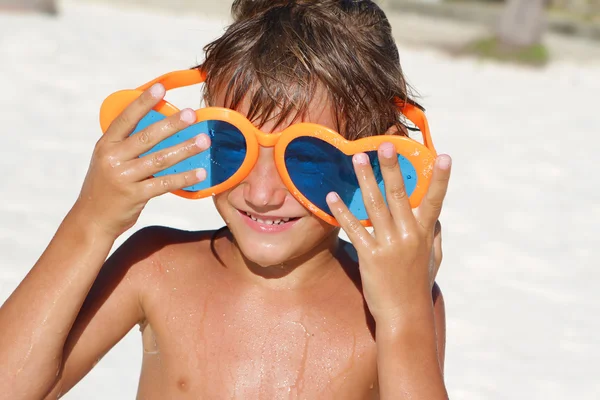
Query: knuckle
<point x="378" y="253"/>
<point x="159" y="160"/>
<point x="124" y="119"/>
<point x="397" y="193"/>
<point x="166" y="184"/>
<point x="105" y="159"/>
<point x="436" y="204"/>
<point x="144" y="137"/>
<point x="186" y="179"/>
<point x="170" y="125"/>
<point x="353" y="225"/>
<point x="99" y="150"/>
<point x="378" y="206"/>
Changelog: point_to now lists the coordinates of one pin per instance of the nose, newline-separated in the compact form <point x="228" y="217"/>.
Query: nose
<point x="263" y="187"/>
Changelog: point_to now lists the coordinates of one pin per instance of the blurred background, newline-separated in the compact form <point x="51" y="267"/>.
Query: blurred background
<point x="511" y="91"/>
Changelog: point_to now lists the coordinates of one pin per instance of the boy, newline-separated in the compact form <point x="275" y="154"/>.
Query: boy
<point x="274" y="305"/>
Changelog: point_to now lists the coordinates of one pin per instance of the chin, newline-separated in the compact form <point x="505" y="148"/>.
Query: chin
<point x="264" y="254"/>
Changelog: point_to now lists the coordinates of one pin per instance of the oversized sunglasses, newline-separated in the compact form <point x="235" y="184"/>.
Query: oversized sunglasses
<point x="312" y="160"/>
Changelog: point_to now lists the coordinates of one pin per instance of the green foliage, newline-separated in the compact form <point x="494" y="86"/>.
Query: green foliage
<point x="492" y="48"/>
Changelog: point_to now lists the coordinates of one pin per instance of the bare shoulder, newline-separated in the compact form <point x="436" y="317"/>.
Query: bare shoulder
<point x="153" y="247"/>
<point x="164" y="260"/>
<point x="115" y="303"/>
<point x="152" y="257"/>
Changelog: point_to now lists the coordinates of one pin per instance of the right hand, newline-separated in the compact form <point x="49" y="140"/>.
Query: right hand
<point x="119" y="183"/>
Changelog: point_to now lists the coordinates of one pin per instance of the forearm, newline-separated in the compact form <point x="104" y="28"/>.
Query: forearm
<point x="407" y="359"/>
<point x="37" y="318"/>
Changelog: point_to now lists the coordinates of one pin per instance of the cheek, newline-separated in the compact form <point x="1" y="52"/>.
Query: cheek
<point x="221" y="202"/>
<point x="318" y="227"/>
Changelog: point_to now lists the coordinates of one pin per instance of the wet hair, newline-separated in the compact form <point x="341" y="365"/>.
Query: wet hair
<point x="280" y="54"/>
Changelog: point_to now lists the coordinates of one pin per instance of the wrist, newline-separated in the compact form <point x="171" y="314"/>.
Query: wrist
<point x="416" y="317"/>
<point x="88" y="225"/>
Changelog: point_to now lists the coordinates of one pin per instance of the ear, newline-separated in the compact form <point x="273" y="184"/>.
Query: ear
<point x="392" y="131"/>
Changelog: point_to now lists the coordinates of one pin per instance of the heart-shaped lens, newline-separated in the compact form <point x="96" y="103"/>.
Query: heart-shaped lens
<point x="317" y="168"/>
<point x="221" y="161"/>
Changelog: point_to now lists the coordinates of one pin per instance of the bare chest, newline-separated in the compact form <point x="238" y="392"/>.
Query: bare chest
<point x="247" y="345"/>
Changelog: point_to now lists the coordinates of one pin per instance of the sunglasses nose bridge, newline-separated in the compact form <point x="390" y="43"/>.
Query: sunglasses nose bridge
<point x="267" y="139"/>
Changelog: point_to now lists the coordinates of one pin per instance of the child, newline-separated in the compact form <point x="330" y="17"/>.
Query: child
<point x="274" y="305"/>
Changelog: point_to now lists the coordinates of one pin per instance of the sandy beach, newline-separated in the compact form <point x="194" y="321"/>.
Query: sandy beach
<point x="520" y="222"/>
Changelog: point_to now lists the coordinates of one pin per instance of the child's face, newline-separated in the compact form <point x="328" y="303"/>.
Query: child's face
<point x="269" y="225"/>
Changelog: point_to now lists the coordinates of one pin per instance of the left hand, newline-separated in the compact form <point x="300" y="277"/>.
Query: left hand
<point x="397" y="262"/>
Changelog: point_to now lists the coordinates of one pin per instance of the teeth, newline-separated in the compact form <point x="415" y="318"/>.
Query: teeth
<point x="268" y="221"/>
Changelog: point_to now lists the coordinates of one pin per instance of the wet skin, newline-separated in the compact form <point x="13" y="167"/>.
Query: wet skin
<point x="210" y="333"/>
<point x="264" y="316"/>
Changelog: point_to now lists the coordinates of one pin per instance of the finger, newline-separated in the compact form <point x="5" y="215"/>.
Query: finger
<point x="377" y="209"/>
<point x="152" y="163"/>
<point x="158" y="186"/>
<point x="146" y="139"/>
<point x="127" y="121"/>
<point x="431" y="207"/>
<point x="395" y="190"/>
<point x="357" y="233"/>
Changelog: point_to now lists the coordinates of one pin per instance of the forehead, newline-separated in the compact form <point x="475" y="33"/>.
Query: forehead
<point x="320" y="110"/>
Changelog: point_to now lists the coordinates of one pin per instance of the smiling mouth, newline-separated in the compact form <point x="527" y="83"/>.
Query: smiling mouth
<point x="273" y="221"/>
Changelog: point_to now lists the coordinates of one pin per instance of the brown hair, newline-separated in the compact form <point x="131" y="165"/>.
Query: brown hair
<point x="280" y="52"/>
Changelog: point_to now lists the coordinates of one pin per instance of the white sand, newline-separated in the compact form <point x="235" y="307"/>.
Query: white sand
<point x="520" y="221"/>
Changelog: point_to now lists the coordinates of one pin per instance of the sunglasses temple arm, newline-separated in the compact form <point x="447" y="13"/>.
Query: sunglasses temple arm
<point x="177" y="79"/>
<point x="427" y="141"/>
<point x="417" y="116"/>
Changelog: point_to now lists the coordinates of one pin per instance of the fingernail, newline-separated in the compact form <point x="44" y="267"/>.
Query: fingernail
<point x="361" y="159"/>
<point x="157" y="90"/>
<point x="332" y="197"/>
<point x="444" y="162"/>
<point x="201" y="174"/>
<point x="388" y="150"/>
<point x="202" y="141"/>
<point x="188" y="116"/>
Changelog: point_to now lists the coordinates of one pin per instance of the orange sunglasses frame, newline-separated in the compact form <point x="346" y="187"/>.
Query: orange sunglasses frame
<point x="422" y="156"/>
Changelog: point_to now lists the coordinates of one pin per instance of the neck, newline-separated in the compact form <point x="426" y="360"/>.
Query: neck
<point x="296" y="274"/>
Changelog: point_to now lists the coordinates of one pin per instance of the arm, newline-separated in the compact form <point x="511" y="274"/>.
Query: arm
<point x="112" y="308"/>
<point x="37" y="318"/>
<point x="398" y="275"/>
<point x="43" y="323"/>
<point x="71" y="327"/>
<point x="411" y="351"/>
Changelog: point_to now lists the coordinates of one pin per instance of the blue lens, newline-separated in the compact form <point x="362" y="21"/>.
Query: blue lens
<point x="318" y="168"/>
<point x="223" y="159"/>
